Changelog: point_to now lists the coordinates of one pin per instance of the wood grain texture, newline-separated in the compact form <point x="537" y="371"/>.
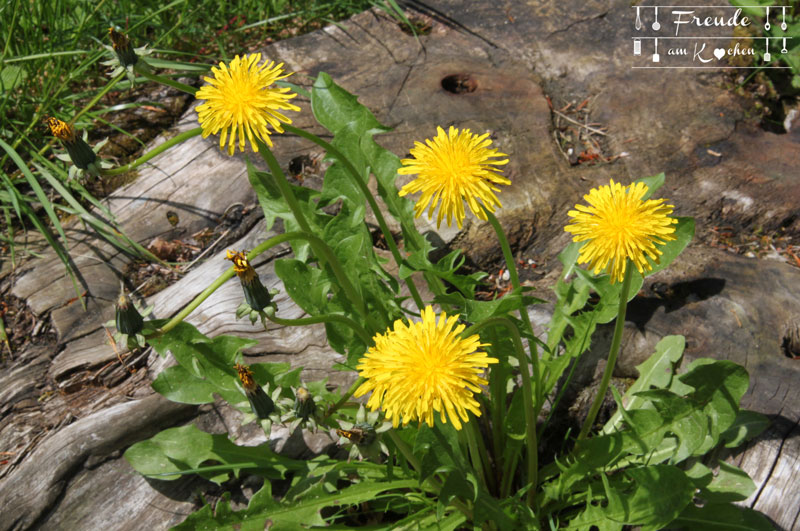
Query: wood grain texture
<point x="36" y="483"/>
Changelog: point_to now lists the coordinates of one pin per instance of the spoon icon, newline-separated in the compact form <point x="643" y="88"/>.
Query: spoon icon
<point x="638" y="24"/>
<point x="656" y="25"/>
<point x="766" y="25"/>
<point x="783" y="15"/>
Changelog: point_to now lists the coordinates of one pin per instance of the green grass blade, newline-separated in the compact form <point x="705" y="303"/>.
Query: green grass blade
<point x="48" y="55"/>
<point x="114" y="236"/>
<point x="83" y="193"/>
<point x="37" y="189"/>
<point x="13" y="195"/>
<point x="60" y="250"/>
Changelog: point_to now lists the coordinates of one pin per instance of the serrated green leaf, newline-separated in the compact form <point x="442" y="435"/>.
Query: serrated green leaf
<point x="489" y="509"/>
<point x="459" y="486"/>
<point x="296" y="514"/>
<point x="684" y="232"/>
<point x="654" y="498"/>
<point x="477" y="311"/>
<point x="274" y="206"/>
<point x="307" y="286"/>
<point x="607" y="308"/>
<point x="206" y="367"/>
<point x="439" y="449"/>
<point x="747" y="426"/>
<point x="593" y="516"/>
<point x="179" y="385"/>
<point x="653" y="184"/>
<point x="336" y="109"/>
<point x="514" y="420"/>
<point x="181" y="340"/>
<point x="718" y="387"/>
<point x="683" y="417"/>
<point x="205" y="358"/>
<point x="700" y="474"/>
<point x="730" y="484"/>
<point x="721" y="517"/>
<point x="569" y="258"/>
<point x="657" y="371"/>
<point x="349" y="121"/>
<point x="583" y="327"/>
<point x="186" y="448"/>
<point x="313" y="291"/>
<point x="338" y="185"/>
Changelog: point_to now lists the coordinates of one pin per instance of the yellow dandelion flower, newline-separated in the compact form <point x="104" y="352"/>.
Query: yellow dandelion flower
<point x="620" y="226"/>
<point x="416" y="369"/>
<point x="454" y="167"/>
<point x="239" y="100"/>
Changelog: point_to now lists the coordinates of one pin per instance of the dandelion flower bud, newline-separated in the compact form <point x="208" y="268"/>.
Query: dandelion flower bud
<point x="129" y="320"/>
<point x="261" y="404"/>
<point x="255" y="294"/>
<point x="304" y="406"/>
<point x="122" y="47"/>
<point x="79" y="151"/>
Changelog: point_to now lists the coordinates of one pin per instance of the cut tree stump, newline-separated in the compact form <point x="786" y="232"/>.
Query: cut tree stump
<point x="485" y="66"/>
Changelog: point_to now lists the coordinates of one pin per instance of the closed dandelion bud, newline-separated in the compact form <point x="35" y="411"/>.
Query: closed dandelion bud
<point x="129" y="320"/>
<point x="261" y="404"/>
<point x="122" y="47"/>
<point x="255" y="294"/>
<point x="304" y="406"/>
<point x="79" y="151"/>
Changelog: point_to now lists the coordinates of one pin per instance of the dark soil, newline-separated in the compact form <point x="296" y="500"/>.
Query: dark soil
<point x="21" y="326"/>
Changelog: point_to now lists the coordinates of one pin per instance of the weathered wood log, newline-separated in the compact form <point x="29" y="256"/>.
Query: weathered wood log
<point x="482" y="67"/>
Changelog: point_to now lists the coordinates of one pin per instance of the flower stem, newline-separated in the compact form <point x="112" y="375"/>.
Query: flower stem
<point x="477" y="452"/>
<point x="497" y="391"/>
<point x="512" y="272"/>
<point x="325" y="252"/>
<point x="327" y="318"/>
<point x="260" y="248"/>
<point x="405" y="450"/>
<point x="508" y="475"/>
<point x="177" y="139"/>
<point x="164" y="80"/>
<point x="612" y="355"/>
<point x="527" y="394"/>
<point x="98" y="97"/>
<point x="409" y="456"/>
<point x="321" y="249"/>
<point x="387" y="234"/>
<point x="345" y="397"/>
